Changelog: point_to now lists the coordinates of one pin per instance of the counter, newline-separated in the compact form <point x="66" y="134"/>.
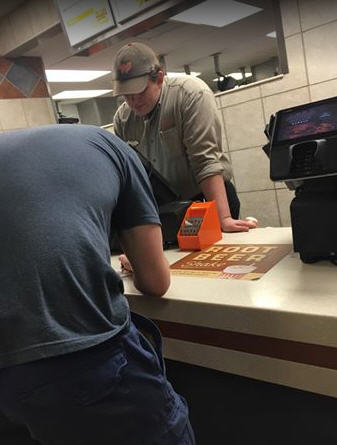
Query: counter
<point x="281" y="328"/>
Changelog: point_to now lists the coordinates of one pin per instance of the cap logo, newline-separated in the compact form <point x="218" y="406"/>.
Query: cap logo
<point x="125" y="68"/>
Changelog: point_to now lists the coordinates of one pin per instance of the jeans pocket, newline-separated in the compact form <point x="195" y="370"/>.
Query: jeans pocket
<point x="102" y="380"/>
<point x="96" y="380"/>
<point x="149" y="347"/>
<point x="149" y="337"/>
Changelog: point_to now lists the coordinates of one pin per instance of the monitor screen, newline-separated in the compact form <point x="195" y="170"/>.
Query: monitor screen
<point x="162" y="190"/>
<point x="312" y="120"/>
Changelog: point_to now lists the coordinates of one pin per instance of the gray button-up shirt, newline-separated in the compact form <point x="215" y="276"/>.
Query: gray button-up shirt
<point x="182" y="138"/>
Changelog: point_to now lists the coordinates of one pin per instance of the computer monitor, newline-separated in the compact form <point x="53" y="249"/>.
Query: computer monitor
<point x="303" y="141"/>
<point x="171" y="207"/>
<point x="162" y="190"/>
<point x="310" y="121"/>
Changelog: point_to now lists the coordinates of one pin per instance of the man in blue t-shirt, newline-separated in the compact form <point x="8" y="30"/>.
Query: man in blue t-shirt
<point x="74" y="367"/>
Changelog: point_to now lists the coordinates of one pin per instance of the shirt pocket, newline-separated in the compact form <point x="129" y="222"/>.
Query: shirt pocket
<point x="171" y="142"/>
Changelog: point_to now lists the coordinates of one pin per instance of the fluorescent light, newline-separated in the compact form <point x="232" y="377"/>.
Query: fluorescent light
<point x="272" y="34"/>
<point x="173" y="74"/>
<point x="77" y="94"/>
<point x="236" y="76"/>
<point x="74" y="75"/>
<point x="216" y="13"/>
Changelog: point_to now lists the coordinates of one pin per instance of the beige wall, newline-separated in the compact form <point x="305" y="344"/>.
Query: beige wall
<point x="310" y="29"/>
<point x="22" y="113"/>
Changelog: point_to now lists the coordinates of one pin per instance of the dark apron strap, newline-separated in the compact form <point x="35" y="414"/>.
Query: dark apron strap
<point x="233" y="200"/>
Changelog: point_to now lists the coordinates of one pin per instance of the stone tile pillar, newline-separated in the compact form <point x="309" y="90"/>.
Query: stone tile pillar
<point x="24" y="95"/>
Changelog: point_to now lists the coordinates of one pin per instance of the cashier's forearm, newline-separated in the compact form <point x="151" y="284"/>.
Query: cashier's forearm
<point x="214" y="189"/>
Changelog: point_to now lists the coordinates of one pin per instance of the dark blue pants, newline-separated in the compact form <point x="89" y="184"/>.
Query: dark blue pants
<point x="115" y="393"/>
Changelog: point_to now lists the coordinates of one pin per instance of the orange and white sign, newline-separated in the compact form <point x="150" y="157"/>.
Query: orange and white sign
<point x="232" y="261"/>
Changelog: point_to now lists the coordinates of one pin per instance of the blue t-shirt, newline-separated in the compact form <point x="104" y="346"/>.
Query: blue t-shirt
<point x="62" y="190"/>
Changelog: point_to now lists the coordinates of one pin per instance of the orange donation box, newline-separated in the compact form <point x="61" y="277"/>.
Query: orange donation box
<point x="200" y="227"/>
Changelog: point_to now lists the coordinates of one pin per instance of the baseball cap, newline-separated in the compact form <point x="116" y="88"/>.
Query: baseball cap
<point x="132" y="65"/>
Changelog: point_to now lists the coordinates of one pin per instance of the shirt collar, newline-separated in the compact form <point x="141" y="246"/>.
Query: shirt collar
<point x="156" y="108"/>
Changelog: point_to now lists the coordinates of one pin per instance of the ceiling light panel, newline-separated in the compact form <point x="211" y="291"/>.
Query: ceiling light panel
<point x="74" y="75"/>
<point x="216" y="13"/>
<point x="78" y="94"/>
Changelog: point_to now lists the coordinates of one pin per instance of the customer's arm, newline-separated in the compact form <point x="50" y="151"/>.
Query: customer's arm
<point x="143" y="247"/>
<point x="214" y="189"/>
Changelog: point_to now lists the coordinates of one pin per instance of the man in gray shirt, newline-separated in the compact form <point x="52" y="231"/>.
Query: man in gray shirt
<point x="174" y="124"/>
<point x="74" y="368"/>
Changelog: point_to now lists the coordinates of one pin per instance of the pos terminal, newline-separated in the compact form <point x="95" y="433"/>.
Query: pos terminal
<point x="303" y="153"/>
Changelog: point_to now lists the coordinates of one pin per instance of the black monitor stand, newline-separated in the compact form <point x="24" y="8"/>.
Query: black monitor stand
<point x="313" y="218"/>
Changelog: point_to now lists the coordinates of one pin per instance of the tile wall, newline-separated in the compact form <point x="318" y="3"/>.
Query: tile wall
<point x="22" y="113"/>
<point x="24" y="96"/>
<point x="310" y="29"/>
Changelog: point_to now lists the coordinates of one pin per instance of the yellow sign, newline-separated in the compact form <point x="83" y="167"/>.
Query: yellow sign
<point x="80" y="17"/>
<point x="141" y="3"/>
<point x="84" y="19"/>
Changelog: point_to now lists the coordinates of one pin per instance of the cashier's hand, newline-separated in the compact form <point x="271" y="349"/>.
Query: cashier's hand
<point x="125" y="263"/>
<point x="238" y="225"/>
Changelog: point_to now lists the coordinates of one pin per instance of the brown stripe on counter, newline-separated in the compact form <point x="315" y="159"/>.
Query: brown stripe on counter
<point x="294" y="351"/>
